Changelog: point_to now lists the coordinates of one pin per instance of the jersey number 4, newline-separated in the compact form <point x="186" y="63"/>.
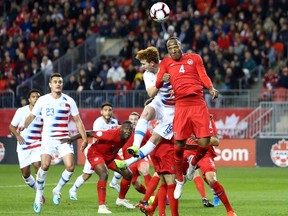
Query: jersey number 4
<point x="182" y="70"/>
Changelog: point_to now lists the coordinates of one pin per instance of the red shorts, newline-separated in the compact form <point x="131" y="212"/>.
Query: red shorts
<point x="95" y="158"/>
<point x="135" y="167"/>
<point x="163" y="159"/>
<point x="206" y="164"/>
<point x="193" y="119"/>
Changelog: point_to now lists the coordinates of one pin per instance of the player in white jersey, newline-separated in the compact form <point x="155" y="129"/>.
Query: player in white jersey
<point x="161" y="108"/>
<point x="104" y="122"/>
<point x="56" y="109"/>
<point x="28" y="140"/>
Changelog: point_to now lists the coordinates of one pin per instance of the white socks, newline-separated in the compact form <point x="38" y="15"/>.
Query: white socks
<point x="116" y="178"/>
<point x="40" y="178"/>
<point x="79" y="181"/>
<point x="140" y="131"/>
<point x="30" y="181"/>
<point x="65" y="177"/>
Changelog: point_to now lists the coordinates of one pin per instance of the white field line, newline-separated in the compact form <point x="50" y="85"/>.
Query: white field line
<point x="24" y="185"/>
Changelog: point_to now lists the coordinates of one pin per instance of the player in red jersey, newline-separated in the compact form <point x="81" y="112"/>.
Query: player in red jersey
<point x="141" y="166"/>
<point x="164" y="164"/>
<point x="207" y="167"/>
<point x="188" y="77"/>
<point x="101" y="155"/>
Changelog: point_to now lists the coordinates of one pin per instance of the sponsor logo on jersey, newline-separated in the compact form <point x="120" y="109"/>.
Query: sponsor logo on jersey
<point x="279" y="153"/>
<point x="2" y="151"/>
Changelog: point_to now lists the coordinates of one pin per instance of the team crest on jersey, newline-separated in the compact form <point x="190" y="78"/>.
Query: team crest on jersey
<point x="2" y="151"/>
<point x="190" y="61"/>
<point x="279" y="153"/>
<point x="99" y="133"/>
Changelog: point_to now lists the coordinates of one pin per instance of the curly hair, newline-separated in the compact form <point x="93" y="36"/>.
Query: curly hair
<point x="149" y="54"/>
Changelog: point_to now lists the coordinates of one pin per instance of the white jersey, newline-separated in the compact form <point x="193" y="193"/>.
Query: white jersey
<point x="31" y="134"/>
<point x="100" y="124"/>
<point x="55" y="114"/>
<point x="164" y="92"/>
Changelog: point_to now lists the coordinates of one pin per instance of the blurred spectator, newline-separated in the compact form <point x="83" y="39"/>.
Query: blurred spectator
<point x="72" y="84"/>
<point x="138" y="84"/>
<point x="283" y="80"/>
<point x="3" y="82"/>
<point x="268" y="53"/>
<point x="82" y="81"/>
<point x="46" y="66"/>
<point x="130" y="74"/>
<point x="270" y="80"/>
<point x="97" y="84"/>
<point x="116" y="72"/>
<point x="103" y="72"/>
<point x="91" y="72"/>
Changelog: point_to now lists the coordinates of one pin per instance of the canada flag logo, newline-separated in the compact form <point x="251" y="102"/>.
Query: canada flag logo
<point x="2" y="151"/>
<point x="279" y="153"/>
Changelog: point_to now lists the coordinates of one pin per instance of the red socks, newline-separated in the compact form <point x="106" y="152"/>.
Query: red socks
<point x="151" y="187"/>
<point x="178" y="156"/>
<point x="147" y="179"/>
<point x="199" y="183"/>
<point x="142" y="189"/>
<point x="162" y="199"/>
<point x="173" y="202"/>
<point x="101" y="190"/>
<point x="220" y="192"/>
<point x="124" y="187"/>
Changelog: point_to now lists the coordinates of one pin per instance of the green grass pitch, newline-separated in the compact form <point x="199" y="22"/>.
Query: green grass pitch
<point x="252" y="192"/>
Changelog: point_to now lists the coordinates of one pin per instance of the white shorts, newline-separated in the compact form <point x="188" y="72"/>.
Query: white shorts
<point x="87" y="165"/>
<point x="53" y="146"/>
<point x="164" y="115"/>
<point x="28" y="157"/>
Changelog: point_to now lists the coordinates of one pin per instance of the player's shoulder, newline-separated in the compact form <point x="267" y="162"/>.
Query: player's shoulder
<point x="23" y="109"/>
<point x="114" y="121"/>
<point x="67" y="97"/>
<point x="193" y="56"/>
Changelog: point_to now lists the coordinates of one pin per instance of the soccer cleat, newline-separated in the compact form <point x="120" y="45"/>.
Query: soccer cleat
<point x="120" y="164"/>
<point x="178" y="189"/>
<point x="56" y="197"/>
<point x="134" y="151"/>
<point x="231" y="213"/>
<point x="42" y="201"/>
<point x="73" y="194"/>
<point x="207" y="203"/>
<point x="216" y="201"/>
<point x="141" y="204"/>
<point x="115" y="186"/>
<point x="37" y="207"/>
<point x="102" y="209"/>
<point x="125" y="203"/>
<point x="191" y="169"/>
<point x="147" y="210"/>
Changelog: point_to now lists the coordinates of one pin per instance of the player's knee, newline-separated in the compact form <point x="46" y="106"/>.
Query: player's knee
<point x="70" y="167"/>
<point x="103" y="176"/>
<point x="144" y="168"/>
<point x="86" y="176"/>
<point x="136" y="185"/>
<point x="127" y="175"/>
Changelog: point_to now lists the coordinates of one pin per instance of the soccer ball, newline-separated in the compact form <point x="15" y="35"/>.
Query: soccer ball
<point x="159" y="12"/>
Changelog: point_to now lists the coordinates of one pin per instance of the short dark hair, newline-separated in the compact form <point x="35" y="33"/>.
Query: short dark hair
<point x="127" y="122"/>
<point x="32" y="91"/>
<point x="106" y="104"/>
<point x="54" y="75"/>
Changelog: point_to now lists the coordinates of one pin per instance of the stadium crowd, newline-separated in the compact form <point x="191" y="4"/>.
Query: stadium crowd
<point x="234" y="37"/>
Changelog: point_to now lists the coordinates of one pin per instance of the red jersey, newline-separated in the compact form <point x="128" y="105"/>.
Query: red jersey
<point x="108" y="143"/>
<point x="187" y="75"/>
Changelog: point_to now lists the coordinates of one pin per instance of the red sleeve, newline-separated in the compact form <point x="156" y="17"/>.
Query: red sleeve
<point x="106" y="135"/>
<point x="162" y="70"/>
<point x="202" y="73"/>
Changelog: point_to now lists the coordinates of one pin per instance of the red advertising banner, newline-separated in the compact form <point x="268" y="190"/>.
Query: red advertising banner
<point x="226" y="119"/>
<point x="236" y="153"/>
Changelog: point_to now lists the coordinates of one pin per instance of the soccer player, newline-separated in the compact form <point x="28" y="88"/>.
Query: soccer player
<point x="161" y="108"/>
<point x="164" y="164"/>
<point x="207" y="167"/>
<point x="104" y="122"/>
<point x="55" y="109"/>
<point x="141" y="166"/>
<point x="101" y="156"/>
<point x="28" y="140"/>
<point x="188" y="77"/>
